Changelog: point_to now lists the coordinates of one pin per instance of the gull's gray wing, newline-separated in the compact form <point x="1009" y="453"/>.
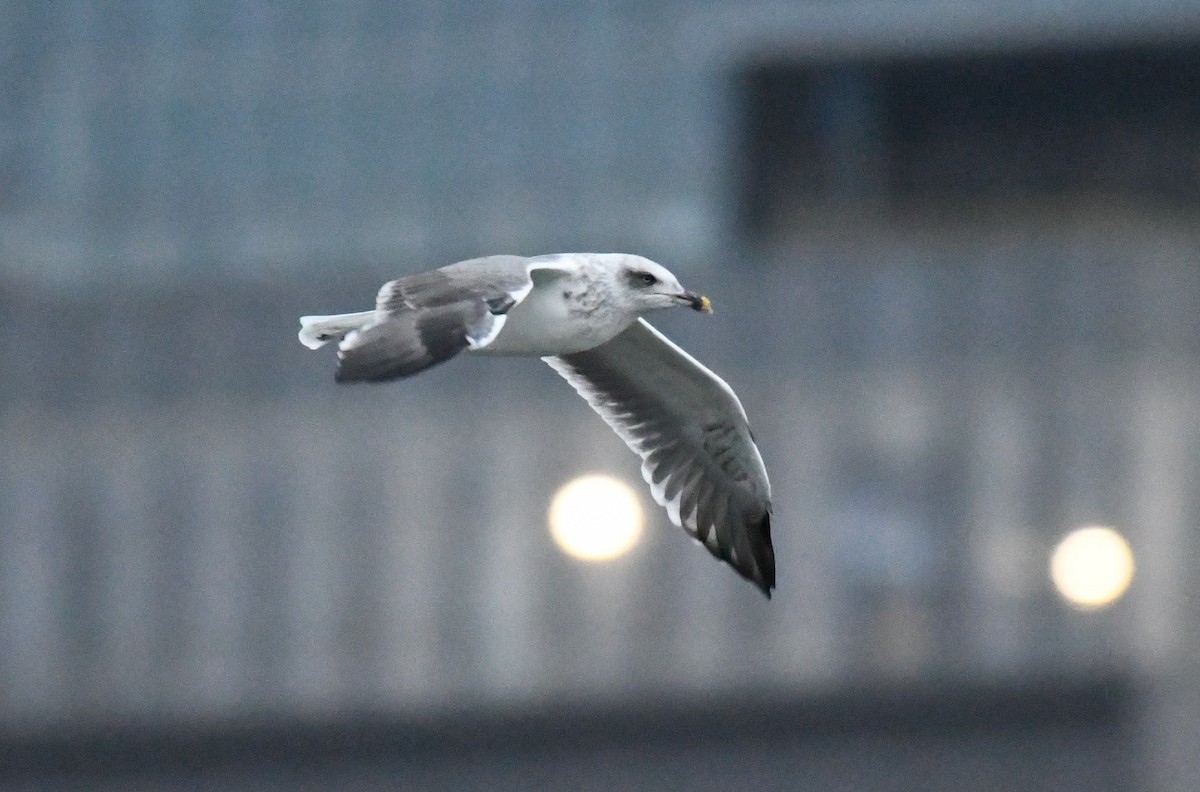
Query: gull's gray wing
<point x="687" y="425"/>
<point x="424" y="319"/>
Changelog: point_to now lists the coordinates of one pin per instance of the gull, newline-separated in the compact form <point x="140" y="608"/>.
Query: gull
<point x="582" y="313"/>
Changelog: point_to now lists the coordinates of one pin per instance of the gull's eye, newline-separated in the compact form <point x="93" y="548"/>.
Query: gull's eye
<point x="648" y="279"/>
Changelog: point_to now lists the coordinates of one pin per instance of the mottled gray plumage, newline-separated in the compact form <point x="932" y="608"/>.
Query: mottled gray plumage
<point x="490" y="279"/>
<point x="581" y="313"/>
<point x="412" y="340"/>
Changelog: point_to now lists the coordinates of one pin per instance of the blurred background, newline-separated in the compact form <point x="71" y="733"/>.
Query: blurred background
<point x="953" y="251"/>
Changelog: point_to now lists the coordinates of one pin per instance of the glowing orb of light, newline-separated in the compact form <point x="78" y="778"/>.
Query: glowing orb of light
<point x="1092" y="567"/>
<point x="596" y="518"/>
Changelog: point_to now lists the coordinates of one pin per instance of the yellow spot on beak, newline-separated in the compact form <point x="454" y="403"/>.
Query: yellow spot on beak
<point x="705" y="304"/>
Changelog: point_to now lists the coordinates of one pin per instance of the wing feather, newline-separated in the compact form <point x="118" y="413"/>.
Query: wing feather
<point x="690" y="429"/>
<point x="424" y="319"/>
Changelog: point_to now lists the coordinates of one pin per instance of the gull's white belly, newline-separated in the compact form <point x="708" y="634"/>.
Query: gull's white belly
<point x="543" y="324"/>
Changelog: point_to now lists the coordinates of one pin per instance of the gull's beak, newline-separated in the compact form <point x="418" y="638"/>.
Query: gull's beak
<point x="697" y="302"/>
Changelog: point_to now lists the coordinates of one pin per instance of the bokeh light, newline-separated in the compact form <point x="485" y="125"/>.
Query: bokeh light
<point x="1092" y="567"/>
<point x="596" y="518"/>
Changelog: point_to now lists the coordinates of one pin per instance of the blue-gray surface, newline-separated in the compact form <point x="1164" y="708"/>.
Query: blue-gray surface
<point x="197" y="524"/>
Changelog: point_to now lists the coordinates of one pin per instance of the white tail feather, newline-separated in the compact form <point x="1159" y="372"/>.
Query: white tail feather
<point x="317" y="331"/>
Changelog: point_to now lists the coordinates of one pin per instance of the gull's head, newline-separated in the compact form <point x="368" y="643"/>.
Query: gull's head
<point x="642" y="285"/>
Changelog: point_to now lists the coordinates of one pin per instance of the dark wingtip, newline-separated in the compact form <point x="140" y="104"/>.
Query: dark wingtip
<point x="765" y="585"/>
<point x="350" y="372"/>
<point x="764" y="558"/>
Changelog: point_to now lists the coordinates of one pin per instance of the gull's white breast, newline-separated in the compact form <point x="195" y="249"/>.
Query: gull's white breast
<point x="551" y="320"/>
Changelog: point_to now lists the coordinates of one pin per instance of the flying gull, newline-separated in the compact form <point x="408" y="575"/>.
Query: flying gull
<point x="582" y="314"/>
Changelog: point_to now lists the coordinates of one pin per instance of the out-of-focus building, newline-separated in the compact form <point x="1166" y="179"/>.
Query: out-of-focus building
<point x="953" y="248"/>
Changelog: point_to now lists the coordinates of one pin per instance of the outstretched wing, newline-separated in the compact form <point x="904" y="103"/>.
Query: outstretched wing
<point x="687" y="425"/>
<point x="424" y="319"/>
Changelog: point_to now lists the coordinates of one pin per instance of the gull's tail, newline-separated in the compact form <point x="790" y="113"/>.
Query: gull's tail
<point x="316" y="331"/>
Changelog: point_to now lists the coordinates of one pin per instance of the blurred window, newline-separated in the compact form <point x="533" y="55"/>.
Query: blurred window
<point x="912" y="135"/>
